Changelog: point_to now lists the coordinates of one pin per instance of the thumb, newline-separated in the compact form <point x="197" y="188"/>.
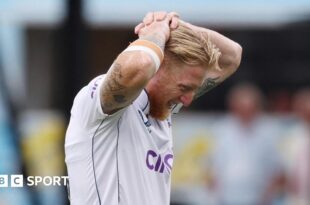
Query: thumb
<point x="139" y="27"/>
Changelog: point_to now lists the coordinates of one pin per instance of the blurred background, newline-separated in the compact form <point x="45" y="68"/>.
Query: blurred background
<point x="246" y="142"/>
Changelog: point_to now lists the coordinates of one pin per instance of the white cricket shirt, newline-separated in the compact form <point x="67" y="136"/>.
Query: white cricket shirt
<point x="120" y="159"/>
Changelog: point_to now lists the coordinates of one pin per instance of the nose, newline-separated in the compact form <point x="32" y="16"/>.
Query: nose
<point x="187" y="98"/>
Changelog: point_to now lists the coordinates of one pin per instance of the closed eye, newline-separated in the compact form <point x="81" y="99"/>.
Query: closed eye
<point x="185" y="88"/>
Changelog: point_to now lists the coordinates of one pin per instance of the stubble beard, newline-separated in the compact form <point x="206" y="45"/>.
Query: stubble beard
<point x="158" y="107"/>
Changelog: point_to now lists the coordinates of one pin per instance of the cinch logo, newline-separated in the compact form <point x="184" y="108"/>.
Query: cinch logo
<point x="158" y="163"/>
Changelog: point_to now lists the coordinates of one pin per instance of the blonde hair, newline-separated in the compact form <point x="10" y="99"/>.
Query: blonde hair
<point x="192" y="48"/>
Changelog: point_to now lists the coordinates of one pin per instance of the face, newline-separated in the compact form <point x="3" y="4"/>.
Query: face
<point x="245" y="104"/>
<point x="172" y="86"/>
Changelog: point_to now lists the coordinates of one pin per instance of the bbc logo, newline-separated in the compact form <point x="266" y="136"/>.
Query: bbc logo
<point x="15" y="181"/>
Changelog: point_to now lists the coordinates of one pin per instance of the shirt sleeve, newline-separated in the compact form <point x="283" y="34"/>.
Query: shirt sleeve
<point x="87" y="106"/>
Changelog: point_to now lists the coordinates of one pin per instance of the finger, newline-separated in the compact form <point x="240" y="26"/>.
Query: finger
<point x="149" y="18"/>
<point x="174" y="14"/>
<point x="174" y="23"/>
<point x="174" y="20"/>
<point x="139" y="27"/>
<point x="160" y="15"/>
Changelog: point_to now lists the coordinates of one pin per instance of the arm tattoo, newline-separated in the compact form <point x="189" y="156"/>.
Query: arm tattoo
<point x="207" y="85"/>
<point x="114" y="77"/>
<point x="113" y="87"/>
<point x="119" y="98"/>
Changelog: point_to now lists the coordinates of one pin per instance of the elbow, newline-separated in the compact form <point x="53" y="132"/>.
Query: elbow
<point x="237" y="55"/>
<point x="230" y="60"/>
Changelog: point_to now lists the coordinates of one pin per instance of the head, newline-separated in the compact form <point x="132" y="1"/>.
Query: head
<point x="245" y="101"/>
<point x="188" y="56"/>
<point x="301" y="104"/>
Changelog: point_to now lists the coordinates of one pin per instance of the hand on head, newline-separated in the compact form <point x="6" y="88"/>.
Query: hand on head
<point x="159" y="23"/>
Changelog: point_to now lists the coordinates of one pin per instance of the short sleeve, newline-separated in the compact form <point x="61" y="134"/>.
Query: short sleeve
<point x="86" y="106"/>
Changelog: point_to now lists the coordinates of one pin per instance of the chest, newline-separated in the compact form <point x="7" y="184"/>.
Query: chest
<point x="146" y="141"/>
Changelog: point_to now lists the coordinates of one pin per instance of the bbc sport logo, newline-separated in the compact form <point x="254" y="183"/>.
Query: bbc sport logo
<point x="16" y="180"/>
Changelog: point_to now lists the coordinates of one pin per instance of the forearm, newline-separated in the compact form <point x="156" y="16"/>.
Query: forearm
<point x="228" y="61"/>
<point x="159" y="40"/>
<point x="230" y="50"/>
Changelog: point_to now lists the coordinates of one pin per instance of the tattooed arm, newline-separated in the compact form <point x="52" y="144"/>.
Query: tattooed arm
<point x="132" y="70"/>
<point x="230" y="50"/>
<point x="228" y="62"/>
<point x="125" y="79"/>
<point x="207" y="85"/>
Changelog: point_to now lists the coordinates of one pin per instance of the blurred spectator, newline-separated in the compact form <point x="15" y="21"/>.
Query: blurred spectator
<point x="280" y="101"/>
<point x="297" y="150"/>
<point x="246" y="166"/>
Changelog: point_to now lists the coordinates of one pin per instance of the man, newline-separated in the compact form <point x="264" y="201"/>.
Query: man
<point x="119" y="143"/>
<point x="297" y="149"/>
<point x="246" y="165"/>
